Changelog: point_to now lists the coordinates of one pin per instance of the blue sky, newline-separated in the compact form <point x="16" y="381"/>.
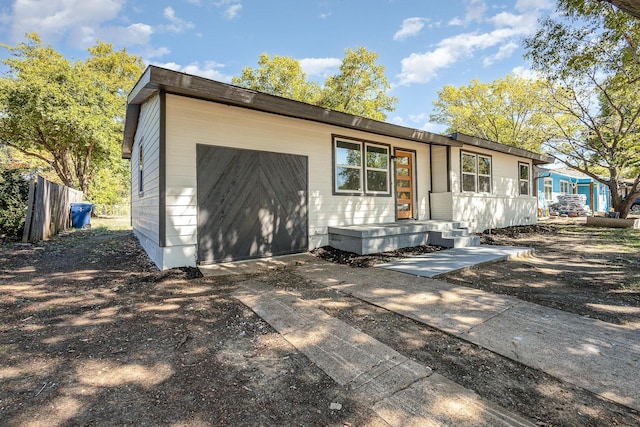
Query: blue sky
<point x="423" y="44"/>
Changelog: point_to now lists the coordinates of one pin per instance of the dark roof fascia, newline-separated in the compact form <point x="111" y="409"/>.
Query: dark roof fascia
<point x="538" y="159"/>
<point x="154" y="78"/>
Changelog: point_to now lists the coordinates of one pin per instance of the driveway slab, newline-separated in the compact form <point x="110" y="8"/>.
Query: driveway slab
<point x="401" y="391"/>
<point x="448" y="260"/>
<point x="597" y="356"/>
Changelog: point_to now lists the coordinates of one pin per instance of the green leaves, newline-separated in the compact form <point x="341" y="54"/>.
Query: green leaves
<point x="68" y="114"/>
<point x="359" y="88"/>
<point x="511" y="111"/>
<point x="280" y="76"/>
<point x="591" y="53"/>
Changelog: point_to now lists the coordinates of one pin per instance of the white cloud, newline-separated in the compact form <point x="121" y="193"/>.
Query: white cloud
<point x="231" y="8"/>
<point x="505" y="51"/>
<point x="319" y="66"/>
<point x="5" y="19"/>
<point x="527" y="5"/>
<point x="135" y="34"/>
<point x="82" y="23"/>
<point x="508" y="29"/>
<point x="53" y="19"/>
<point x="526" y="22"/>
<point x="177" y="25"/>
<point x="435" y="128"/>
<point x="526" y="73"/>
<point x="417" y="118"/>
<point x="410" y="27"/>
<point x="398" y="120"/>
<point x="210" y="70"/>
<point x="233" y="11"/>
<point x="157" y="53"/>
<point x="475" y="10"/>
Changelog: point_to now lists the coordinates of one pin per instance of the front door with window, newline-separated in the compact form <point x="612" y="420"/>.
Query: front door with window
<point x="404" y="184"/>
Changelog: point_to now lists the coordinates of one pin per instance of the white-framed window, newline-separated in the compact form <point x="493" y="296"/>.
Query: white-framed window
<point x="548" y="189"/>
<point x="140" y="168"/>
<point x="360" y="167"/>
<point x="524" y="178"/>
<point x="476" y="172"/>
<point x="564" y="186"/>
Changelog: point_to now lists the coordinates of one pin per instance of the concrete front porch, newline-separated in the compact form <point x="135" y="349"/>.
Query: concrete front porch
<point x="366" y="239"/>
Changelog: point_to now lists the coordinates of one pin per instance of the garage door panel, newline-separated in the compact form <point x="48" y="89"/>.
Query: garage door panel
<point x="250" y="204"/>
<point x="283" y="177"/>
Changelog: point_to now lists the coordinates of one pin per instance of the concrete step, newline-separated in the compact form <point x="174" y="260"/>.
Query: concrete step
<point x="453" y="239"/>
<point x="373" y="238"/>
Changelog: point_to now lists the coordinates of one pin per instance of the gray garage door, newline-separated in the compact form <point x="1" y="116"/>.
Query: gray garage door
<point x="251" y="204"/>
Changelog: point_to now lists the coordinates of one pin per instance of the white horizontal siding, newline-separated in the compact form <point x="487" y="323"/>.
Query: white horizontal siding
<point x="191" y="122"/>
<point x="442" y="206"/>
<point x="439" y="165"/>
<point x="145" y="204"/>
<point x="485" y="211"/>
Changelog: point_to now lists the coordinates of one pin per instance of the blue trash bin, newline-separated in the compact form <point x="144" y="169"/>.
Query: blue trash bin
<point x="81" y="215"/>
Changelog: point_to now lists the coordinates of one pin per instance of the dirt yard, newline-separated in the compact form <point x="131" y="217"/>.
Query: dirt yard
<point x="92" y="334"/>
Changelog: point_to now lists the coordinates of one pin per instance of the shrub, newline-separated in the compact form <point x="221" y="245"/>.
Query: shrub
<point x="14" y="194"/>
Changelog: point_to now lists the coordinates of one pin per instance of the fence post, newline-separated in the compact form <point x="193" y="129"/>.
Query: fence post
<point x="27" y="222"/>
<point x="48" y="211"/>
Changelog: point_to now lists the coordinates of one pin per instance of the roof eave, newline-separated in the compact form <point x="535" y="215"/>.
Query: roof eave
<point x="156" y="78"/>
<point x="537" y="159"/>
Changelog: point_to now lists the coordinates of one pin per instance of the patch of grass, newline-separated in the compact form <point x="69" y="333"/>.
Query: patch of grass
<point x="110" y="224"/>
<point x="621" y="239"/>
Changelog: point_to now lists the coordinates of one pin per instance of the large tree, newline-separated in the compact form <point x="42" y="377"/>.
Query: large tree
<point x="360" y="88"/>
<point x="632" y="7"/>
<point x="281" y="76"/>
<point x="67" y="114"/>
<point x="511" y="111"/>
<point x="590" y="54"/>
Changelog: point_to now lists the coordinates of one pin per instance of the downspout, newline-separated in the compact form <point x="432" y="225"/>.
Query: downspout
<point x="162" y="171"/>
<point x="430" y="176"/>
<point x="448" y="169"/>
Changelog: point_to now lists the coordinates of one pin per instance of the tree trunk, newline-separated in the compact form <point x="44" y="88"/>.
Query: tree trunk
<point x="630" y="6"/>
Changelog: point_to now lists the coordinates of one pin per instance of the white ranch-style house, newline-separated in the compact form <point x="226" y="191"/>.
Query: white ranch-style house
<point x="223" y="173"/>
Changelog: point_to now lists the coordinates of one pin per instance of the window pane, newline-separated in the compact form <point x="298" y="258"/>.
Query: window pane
<point x="377" y="157"/>
<point x="348" y="153"/>
<point x="524" y="172"/>
<point x="403" y="183"/>
<point x="469" y="163"/>
<point x="484" y="165"/>
<point x="400" y="171"/>
<point x="564" y="187"/>
<point x="484" y="182"/>
<point x="402" y="160"/>
<point x="348" y="179"/>
<point x="524" y="188"/>
<point x="548" y="189"/>
<point x="377" y="181"/>
<point x="468" y="182"/>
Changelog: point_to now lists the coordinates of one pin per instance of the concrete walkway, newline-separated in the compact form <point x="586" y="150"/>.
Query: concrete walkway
<point x="597" y="356"/>
<point x="402" y="392"/>
<point x="445" y="261"/>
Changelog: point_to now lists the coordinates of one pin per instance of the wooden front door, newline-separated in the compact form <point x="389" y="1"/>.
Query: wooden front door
<point x="404" y="184"/>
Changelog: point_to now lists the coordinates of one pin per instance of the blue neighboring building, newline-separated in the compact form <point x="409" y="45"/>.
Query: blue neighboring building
<point x="553" y="182"/>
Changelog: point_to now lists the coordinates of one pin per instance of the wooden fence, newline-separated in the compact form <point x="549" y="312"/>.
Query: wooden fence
<point x="48" y="209"/>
